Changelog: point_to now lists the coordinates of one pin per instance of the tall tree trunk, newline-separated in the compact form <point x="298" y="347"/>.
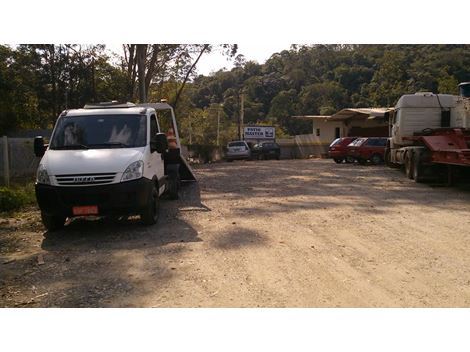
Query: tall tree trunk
<point x="53" y="80"/>
<point x="141" y="61"/>
<point x="178" y="94"/>
<point x="131" y="70"/>
<point x="151" y="67"/>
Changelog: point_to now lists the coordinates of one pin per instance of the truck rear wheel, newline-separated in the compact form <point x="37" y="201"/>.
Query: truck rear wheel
<point x="151" y="213"/>
<point x="408" y="166"/>
<point x="338" y="160"/>
<point x="418" y="169"/>
<point x="52" y="222"/>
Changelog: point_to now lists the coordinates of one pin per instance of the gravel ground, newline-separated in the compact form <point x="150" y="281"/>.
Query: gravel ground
<point x="289" y="233"/>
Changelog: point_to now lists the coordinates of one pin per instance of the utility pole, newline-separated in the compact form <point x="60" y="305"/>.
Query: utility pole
<point x="242" y="113"/>
<point x="218" y="122"/>
<point x="93" y="84"/>
<point x="190" y="131"/>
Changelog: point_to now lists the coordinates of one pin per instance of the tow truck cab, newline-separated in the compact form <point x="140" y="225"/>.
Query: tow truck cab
<point x="106" y="159"/>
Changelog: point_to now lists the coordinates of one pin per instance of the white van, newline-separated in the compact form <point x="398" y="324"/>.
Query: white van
<point x="106" y="159"/>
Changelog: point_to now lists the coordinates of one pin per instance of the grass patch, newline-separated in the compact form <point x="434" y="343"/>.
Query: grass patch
<point x="16" y="197"/>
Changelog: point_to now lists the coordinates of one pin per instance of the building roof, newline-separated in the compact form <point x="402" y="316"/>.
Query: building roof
<point x="359" y="113"/>
<point x="349" y="113"/>
<point x="312" y="117"/>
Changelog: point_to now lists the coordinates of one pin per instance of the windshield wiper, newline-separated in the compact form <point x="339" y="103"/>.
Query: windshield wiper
<point x="115" y="144"/>
<point x="72" y="146"/>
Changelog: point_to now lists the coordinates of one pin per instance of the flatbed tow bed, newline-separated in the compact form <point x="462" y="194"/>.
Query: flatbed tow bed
<point x="444" y="146"/>
<point x="173" y="158"/>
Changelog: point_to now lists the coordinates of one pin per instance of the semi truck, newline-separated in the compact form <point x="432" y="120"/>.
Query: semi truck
<point x="430" y="135"/>
<point x="109" y="159"/>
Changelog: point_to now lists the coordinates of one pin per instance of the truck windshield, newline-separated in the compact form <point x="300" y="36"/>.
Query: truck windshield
<point x="100" y="131"/>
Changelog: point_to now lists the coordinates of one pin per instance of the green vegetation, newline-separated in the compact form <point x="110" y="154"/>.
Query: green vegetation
<point x="17" y="197"/>
<point x="39" y="81"/>
<point x="322" y="79"/>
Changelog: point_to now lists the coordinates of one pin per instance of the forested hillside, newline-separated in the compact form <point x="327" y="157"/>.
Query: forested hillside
<point x="38" y="81"/>
<point x="322" y="79"/>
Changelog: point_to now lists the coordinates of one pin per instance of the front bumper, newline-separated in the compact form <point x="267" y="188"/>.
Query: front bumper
<point x="124" y="198"/>
<point x="238" y="156"/>
<point x="337" y="154"/>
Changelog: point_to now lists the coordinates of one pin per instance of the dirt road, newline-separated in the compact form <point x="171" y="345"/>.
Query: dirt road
<point x="296" y="233"/>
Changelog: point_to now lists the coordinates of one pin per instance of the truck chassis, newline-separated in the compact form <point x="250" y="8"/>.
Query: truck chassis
<point x="434" y="152"/>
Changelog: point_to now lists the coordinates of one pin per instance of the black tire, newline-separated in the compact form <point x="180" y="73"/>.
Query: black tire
<point x="418" y="168"/>
<point x="52" y="222"/>
<point x="408" y="165"/>
<point x="174" y="186"/>
<point x="388" y="157"/>
<point x="376" y="159"/>
<point x="361" y="161"/>
<point x="338" y="160"/>
<point x="151" y="213"/>
<point x="350" y="160"/>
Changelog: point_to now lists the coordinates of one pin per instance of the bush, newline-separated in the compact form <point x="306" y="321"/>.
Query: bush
<point x="16" y="197"/>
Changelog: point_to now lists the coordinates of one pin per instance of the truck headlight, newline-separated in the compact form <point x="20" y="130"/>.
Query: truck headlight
<point x="133" y="171"/>
<point x="42" y="176"/>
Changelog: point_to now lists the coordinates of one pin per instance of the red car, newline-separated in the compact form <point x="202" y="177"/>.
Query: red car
<point x="338" y="150"/>
<point x="368" y="149"/>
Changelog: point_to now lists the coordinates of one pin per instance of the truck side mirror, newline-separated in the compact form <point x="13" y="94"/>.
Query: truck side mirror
<point x="159" y="143"/>
<point x="39" y="147"/>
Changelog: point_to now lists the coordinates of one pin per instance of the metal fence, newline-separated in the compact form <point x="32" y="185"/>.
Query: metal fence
<point x="17" y="160"/>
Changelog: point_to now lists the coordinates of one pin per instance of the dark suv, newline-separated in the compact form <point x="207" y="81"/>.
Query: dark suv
<point x="368" y="149"/>
<point x="266" y="150"/>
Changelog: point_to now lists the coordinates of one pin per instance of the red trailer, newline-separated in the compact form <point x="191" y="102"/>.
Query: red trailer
<point x="445" y="147"/>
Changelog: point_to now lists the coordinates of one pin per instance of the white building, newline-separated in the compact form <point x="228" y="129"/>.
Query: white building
<point x="353" y="122"/>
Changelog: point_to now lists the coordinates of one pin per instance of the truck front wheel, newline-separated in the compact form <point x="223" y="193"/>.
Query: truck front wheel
<point x="151" y="213"/>
<point x="52" y="222"/>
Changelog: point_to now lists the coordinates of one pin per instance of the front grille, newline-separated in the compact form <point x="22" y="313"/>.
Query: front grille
<point x="77" y="198"/>
<point x="85" y="179"/>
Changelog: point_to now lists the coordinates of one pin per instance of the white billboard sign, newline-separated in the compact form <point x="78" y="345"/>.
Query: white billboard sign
<point x="259" y="132"/>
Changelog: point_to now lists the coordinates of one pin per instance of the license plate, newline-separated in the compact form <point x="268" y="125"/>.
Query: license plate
<point x="85" y="210"/>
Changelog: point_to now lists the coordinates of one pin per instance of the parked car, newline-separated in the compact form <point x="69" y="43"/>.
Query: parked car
<point x="237" y="150"/>
<point x="266" y="150"/>
<point x="368" y="149"/>
<point x="338" y="150"/>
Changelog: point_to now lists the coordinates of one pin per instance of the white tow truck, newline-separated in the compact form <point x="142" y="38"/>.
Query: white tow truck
<point x="109" y="159"/>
